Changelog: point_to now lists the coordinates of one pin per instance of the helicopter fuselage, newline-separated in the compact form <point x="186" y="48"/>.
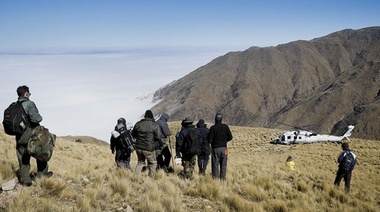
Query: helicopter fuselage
<point x="304" y="136"/>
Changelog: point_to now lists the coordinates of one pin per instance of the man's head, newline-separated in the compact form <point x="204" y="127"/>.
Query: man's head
<point x="164" y="116"/>
<point x="149" y="114"/>
<point x="187" y="121"/>
<point x="345" y="146"/>
<point x="201" y="123"/>
<point x="218" y="118"/>
<point x="23" y="91"/>
<point x="121" y="121"/>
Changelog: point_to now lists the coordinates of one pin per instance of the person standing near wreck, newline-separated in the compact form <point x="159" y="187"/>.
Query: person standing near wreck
<point x="347" y="162"/>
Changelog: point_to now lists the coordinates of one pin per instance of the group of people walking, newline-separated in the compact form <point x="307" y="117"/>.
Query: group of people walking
<point x="152" y="140"/>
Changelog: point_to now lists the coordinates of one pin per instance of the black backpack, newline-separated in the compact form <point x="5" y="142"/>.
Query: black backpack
<point x="125" y="139"/>
<point x="191" y="142"/>
<point x="15" y="120"/>
<point x="349" y="161"/>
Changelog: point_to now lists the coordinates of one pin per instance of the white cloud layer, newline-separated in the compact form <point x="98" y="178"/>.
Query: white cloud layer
<point x="84" y="94"/>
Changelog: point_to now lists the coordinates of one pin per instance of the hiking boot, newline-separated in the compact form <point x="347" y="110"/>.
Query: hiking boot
<point x="169" y="169"/>
<point x="26" y="184"/>
<point x="33" y="175"/>
<point x="48" y="174"/>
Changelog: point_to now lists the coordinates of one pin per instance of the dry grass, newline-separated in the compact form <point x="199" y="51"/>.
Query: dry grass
<point x="86" y="179"/>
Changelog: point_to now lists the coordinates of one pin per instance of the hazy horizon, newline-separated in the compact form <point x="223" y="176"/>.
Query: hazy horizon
<point x="84" y="94"/>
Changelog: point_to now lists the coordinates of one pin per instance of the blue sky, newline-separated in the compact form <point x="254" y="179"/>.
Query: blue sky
<point x="121" y="23"/>
<point x="157" y="42"/>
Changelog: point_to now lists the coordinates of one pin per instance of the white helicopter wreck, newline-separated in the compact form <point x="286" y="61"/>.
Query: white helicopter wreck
<point x="300" y="136"/>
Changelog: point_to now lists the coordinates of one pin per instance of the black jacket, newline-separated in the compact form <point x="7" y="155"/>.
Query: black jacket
<point x="204" y="145"/>
<point x="181" y="137"/>
<point x="219" y="135"/>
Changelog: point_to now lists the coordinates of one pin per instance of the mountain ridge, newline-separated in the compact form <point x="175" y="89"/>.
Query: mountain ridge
<point x="318" y="83"/>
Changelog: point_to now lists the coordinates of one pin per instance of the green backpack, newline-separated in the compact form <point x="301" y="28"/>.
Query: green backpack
<point x="41" y="143"/>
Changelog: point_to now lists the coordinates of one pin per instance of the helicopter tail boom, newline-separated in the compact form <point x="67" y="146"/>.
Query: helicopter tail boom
<point x="348" y="132"/>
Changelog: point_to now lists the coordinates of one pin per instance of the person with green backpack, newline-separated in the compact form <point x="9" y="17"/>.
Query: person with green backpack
<point x="34" y="118"/>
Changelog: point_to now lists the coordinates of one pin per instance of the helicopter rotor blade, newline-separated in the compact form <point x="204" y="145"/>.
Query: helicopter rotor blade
<point x="298" y="127"/>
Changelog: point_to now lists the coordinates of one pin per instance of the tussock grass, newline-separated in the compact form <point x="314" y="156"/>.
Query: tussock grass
<point x="86" y="179"/>
<point x="52" y="187"/>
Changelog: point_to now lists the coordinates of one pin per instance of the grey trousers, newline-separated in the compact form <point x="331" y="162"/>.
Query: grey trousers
<point x="219" y="162"/>
<point x="150" y="156"/>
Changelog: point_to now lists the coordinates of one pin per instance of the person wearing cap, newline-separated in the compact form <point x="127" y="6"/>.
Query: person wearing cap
<point x="346" y="161"/>
<point x="122" y="157"/>
<point x="218" y="137"/>
<point x="204" y="146"/>
<point x="146" y="132"/>
<point x="188" y="159"/>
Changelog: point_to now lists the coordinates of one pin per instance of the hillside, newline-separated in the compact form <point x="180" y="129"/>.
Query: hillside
<point x="85" y="179"/>
<point x="324" y="84"/>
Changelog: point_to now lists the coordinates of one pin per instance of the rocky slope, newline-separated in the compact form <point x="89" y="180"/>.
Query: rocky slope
<point x="323" y="84"/>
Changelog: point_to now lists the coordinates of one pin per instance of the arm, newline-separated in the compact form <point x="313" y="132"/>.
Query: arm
<point x="134" y="131"/>
<point x="165" y="131"/>
<point x="157" y="132"/>
<point x="112" y="144"/>
<point x="179" y="142"/>
<point x="229" y="134"/>
<point x="211" y="135"/>
<point x="341" y="157"/>
<point x="32" y="112"/>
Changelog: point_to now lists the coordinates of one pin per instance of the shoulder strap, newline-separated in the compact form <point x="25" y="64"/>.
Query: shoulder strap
<point x="26" y="117"/>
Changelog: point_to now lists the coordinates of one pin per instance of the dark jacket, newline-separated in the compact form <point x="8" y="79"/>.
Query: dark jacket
<point x="219" y="135"/>
<point x="342" y="156"/>
<point x="146" y="131"/>
<point x="181" y="137"/>
<point x="204" y="145"/>
<point x="116" y="143"/>
<point x="162" y="122"/>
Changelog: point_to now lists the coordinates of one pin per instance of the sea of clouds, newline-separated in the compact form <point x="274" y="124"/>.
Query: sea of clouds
<point x="85" y="92"/>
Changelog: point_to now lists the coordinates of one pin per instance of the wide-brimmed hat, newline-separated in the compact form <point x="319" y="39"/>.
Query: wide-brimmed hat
<point x="187" y="120"/>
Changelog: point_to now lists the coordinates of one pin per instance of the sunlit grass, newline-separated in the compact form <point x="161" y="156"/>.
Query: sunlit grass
<point x="86" y="179"/>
